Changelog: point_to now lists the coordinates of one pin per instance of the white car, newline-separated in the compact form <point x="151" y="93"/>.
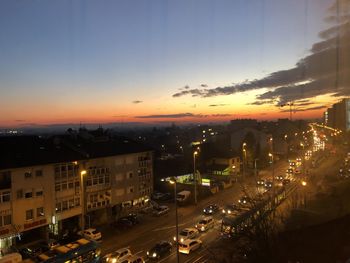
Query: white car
<point x="117" y="256"/>
<point x="189" y="245"/>
<point x="187" y="233"/>
<point x="133" y="259"/>
<point x="92" y="234"/>
<point x="161" y="210"/>
<point x="205" y="224"/>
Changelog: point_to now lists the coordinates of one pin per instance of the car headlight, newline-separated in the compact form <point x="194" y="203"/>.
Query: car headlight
<point x="204" y="210"/>
<point x="147" y="253"/>
<point x="210" y="211"/>
<point x="174" y="238"/>
<point x="114" y="260"/>
<point x="154" y="255"/>
<point x="223" y="210"/>
<point x="202" y="228"/>
<point x="229" y="211"/>
<point x="182" y="240"/>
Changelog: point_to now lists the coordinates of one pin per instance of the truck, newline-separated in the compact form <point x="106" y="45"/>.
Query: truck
<point x="183" y="197"/>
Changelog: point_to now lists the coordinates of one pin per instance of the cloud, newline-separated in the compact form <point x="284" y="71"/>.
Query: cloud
<point x="137" y="101"/>
<point x="177" y="115"/>
<point x="217" y="105"/>
<point x="20" y="120"/>
<point x="204" y="85"/>
<point x="325" y="71"/>
<point x="305" y="109"/>
<point x="181" y="115"/>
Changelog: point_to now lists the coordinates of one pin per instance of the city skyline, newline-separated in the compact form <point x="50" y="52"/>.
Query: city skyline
<point x="161" y="61"/>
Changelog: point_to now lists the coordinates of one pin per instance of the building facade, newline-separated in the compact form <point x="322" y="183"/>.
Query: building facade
<point x="338" y="116"/>
<point x="51" y="188"/>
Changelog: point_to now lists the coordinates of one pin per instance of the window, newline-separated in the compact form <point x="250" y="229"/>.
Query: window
<point x="39" y="192"/>
<point x="38" y="173"/>
<point x="27" y="175"/>
<point x="40" y="211"/>
<point x="77" y="201"/>
<point x="28" y="194"/>
<point x="70" y="185"/>
<point x="64" y="185"/>
<point x="58" y="207"/>
<point x="29" y="214"/>
<point x="19" y="194"/>
<point x="7" y="220"/>
<point x="57" y="187"/>
<point x="71" y="203"/>
<point x="64" y="205"/>
<point x="6" y="196"/>
<point x="130" y="175"/>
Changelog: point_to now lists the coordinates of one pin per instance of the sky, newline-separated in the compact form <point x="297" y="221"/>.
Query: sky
<point x="152" y="61"/>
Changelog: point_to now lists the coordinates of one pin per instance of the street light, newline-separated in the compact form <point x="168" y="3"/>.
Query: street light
<point x="174" y="182"/>
<point x="273" y="173"/>
<point x="195" y="153"/>
<point x="82" y="179"/>
<point x="244" y="156"/>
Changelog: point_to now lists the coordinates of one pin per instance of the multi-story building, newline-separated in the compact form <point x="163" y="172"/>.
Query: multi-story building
<point x="338" y="116"/>
<point x="52" y="186"/>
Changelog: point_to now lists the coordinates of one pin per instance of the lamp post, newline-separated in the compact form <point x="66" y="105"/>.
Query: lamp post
<point x="273" y="174"/>
<point x="244" y="157"/>
<point x="303" y="153"/>
<point x="82" y="179"/>
<point x="174" y="182"/>
<point x="195" y="153"/>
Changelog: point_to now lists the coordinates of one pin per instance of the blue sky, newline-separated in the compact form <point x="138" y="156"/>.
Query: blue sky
<point x="69" y="56"/>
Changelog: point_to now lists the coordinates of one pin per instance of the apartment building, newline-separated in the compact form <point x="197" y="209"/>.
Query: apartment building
<point x="338" y="116"/>
<point x="57" y="185"/>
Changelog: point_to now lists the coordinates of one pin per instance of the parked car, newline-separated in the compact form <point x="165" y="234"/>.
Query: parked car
<point x="211" y="209"/>
<point x="48" y="244"/>
<point x="161" y="249"/>
<point x="229" y="209"/>
<point x="92" y="234"/>
<point x="156" y="195"/>
<point x="30" y="251"/>
<point x="187" y="233"/>
<point x="205" y="224"/>
<point x="117" y="256"/>
<point x="133" y="259"/>
<point x="133" y="218"/>
<point x="189" y="245"/>
<point x="161" y="210"/>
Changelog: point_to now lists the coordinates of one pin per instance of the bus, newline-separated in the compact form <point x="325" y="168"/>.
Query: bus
<point x="80" y="251"/>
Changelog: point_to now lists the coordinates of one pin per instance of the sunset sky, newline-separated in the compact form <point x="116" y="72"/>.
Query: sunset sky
<point x="157" y="60"/>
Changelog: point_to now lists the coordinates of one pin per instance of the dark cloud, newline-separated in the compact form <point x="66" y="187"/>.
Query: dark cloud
<point x="181" y="115"/>
<point x="137" y="101"/>
<point x="326" y="70"/>
<point x="217" y="105"/>
<point x="306" y="109"/>
<point x="204" y="85"/>
<point x="177" y="115"/>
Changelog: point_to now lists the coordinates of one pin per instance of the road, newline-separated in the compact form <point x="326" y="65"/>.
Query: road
<point x="153" y="229"/>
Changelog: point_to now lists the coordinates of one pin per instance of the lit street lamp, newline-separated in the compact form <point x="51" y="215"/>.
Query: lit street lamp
<point x="195" y="153"/>
<point x="244" y="156"/>
<point x="82" y="179"/>
<point x="174" y="182"/>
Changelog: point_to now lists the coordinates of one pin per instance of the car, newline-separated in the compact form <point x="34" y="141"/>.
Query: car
<point x="189" y="245"/>
<point x="230" y="209"/>
<point x="133" y="218"/>
<point x="297" y="171"/>
<point x="30" y="251"/>
<point x="211" y="209"/>
<point x="268" y="184"/>
<point x="133" y="259"/>
<point x="285" y="181"/>
<point x="92" y="234"/>
<point x="156" y="195"/>
<point x="161" y="249"/>
<point x="244" y="200"/>
<point x="161" y="210"/>
<point x="279" y="177"/>
<point x="205" y="223"/>
<point x="260" y="182"/>
<point x="187" y="233"/>
<point x="289" y="171"/>
<point x="117" y="256"/>
<point x="123" y="223"/>
<point x="48" y="244"/>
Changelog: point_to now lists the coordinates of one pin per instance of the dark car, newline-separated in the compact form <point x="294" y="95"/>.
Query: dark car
<point x="160" y="250"/>
<point x="123" y="223"/>
<point x="133" y="218"/>
<point x="244" y="200"/>
<point x="211" y="209"/>
<point x="30" y="252"/>
<point x="268" y="184"/>
<point x="285" y="181"/>
<point x="46" y="245"/>
<point x="230" y="209"/>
